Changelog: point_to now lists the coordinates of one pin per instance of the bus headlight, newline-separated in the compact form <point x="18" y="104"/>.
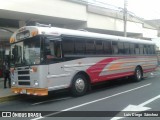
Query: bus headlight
<point x="36" y="83"/>
<point x="13" y="83"/>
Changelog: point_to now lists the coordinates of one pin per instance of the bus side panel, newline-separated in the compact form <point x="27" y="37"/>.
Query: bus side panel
<point x="43" y="71"/>
<point x="98" y="68"/>
<point x="118" y="67"/>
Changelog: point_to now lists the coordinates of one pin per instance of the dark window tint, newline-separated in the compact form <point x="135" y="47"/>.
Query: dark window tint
<point x="120" y="48"/>
<point x="107" y="47"/>
<point x="145" y="49"/>
<point x="99" y="47"/>
<point x="141" y="49"/>
<point x="137" y="49"/>
<point x="68" y="46"/>
<point x="90" y="48"/>
<point x="132" y="47"/>
<point x="126" y="48"/>
<point x="151" y="49"/>
<point x="79" y="46"/>
<point x="115" y="47"/>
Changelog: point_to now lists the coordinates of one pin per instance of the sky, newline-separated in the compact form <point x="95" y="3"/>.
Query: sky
<point x="147" y="9"/>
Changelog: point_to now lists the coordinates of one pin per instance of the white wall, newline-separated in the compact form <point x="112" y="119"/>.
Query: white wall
<point x="108" y="23"/>
<point x="55" y="8"/>
<point x="100" y="22"/>
<point x="150" y="33"/>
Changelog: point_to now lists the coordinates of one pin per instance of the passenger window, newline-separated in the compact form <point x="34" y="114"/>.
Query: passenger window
<point x="79" y="47"/>
<point x="141" y="49"/>
<point x="137" y="49"/>
<point x="68" y="46"/>
<point x="132" y="47"/>
<point x="53" y="50"/>
<point x="145" y="49"/>
<point x="107" y="47"/>
<point x="126" y="48"/>
<point x="115" y="47"/>
<point x="90" y="48"/>
<point x="120" y="48"/>
<point x="99" y="47"/>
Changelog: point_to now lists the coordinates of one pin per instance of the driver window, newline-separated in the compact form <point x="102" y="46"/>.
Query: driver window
<point x="53" y="50"/>
<point x="17" y="53"/>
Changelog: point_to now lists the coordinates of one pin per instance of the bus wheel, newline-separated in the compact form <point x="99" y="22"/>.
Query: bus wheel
<point x="138" y="74"/>
<point x="79" y="85"/>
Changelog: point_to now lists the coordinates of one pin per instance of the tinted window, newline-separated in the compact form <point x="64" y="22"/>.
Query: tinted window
<point x="90" y="48"/>
<point x="126" y="48"/>
<point x="137" y="49"/>
<point x="154" y="49"/>
<point x="151" y="49"/>
<point x="145" y="49"/>
<point x="52" y="50"/>
<point x="107" y="47"/>
<point x="68" y="46"/>
<point x="141" y="49"/>
<point x="120" y="48"/>
<point x="132" y="47"/>
<point x="79" y="46"/>
<point x="115" y="47"/>
<point x="99" y="47"/>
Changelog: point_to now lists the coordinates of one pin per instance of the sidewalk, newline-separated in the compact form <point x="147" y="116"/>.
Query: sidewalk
<point x="5" y="94"/>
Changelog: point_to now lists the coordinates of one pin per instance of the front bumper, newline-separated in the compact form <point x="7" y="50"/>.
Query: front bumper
<point x="30" y="91"/>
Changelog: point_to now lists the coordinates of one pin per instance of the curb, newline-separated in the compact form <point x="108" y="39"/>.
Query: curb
<point x="12" y="97"/>
<point x="9" y="98"/>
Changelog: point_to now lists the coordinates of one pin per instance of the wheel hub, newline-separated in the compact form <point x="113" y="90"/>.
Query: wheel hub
<point x="79" y="85"/>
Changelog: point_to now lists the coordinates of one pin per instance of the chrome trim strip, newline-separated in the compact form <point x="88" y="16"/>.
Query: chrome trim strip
<point x="60" y="75"/>
<point x="58" y="87"/>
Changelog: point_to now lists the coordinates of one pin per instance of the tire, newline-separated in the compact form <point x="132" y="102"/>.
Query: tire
<point x="138" y="74"/>
<point x="79" y="85"/>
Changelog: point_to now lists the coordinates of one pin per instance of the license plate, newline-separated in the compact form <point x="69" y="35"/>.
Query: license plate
<point x="24" y="91"/>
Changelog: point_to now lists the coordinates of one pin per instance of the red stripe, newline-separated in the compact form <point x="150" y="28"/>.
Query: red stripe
<point x="96" y="69"/>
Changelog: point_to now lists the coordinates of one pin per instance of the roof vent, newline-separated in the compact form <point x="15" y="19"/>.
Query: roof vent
<point x="43" y="25"/>
<point x="83" y="30"/>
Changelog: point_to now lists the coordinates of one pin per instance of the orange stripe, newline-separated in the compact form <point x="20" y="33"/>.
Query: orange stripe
<point x="121" y="68"/>
<point x="116" y="66"/>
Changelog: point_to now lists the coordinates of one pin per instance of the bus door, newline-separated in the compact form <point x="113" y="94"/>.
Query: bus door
<point x="54" y="59"/>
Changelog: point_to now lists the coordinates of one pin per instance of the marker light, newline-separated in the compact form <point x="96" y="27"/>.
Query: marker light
<point x="34" y="33"/>
<point x="34" y="69"/>
<point x="12" y="40"/>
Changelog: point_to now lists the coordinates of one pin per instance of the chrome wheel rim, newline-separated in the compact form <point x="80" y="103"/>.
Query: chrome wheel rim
<point x="138" y="73"/>
<point x="79" y="85"/>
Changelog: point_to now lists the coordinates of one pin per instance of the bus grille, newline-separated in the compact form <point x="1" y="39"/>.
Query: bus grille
<point x="24" y="76"/>
<point x="24" y="83"/>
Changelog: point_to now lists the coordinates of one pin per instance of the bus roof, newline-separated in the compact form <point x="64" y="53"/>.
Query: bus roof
<point x="55" y="31"/>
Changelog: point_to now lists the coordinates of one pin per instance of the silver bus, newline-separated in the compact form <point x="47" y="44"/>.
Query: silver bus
<point x="46" y="58"/>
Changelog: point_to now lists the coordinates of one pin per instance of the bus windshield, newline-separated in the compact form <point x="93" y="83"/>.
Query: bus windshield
<point x="26" y="52"/>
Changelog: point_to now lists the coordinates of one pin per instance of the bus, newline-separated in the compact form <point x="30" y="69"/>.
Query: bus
<point x="46" y="58"/>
